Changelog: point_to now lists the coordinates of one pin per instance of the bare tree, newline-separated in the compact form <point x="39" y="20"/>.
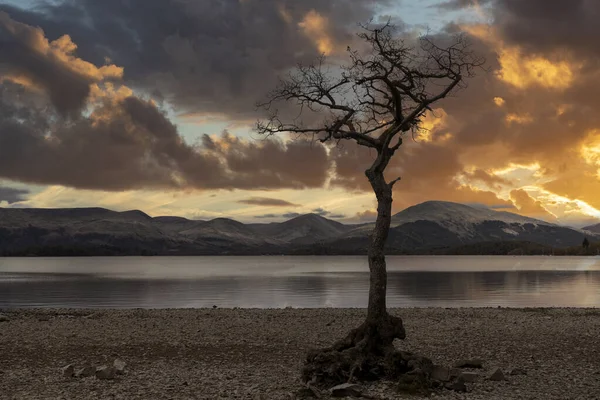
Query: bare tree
<point x="374" y="101"/>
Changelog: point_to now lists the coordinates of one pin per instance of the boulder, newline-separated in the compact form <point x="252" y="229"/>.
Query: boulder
<point x="473" y="363"/>
<point x="85" y="371"/>
<point x="455" y="373"/>
<point x="517" y="371"/>
<point x="469" y="377"/>
<point x="119" y="366"/>
<point x="440" y="373"/>
<point x="4" y="318"/>
<point x="497" y="375"/>
<point x="105" y="372"/>
<point x="346" y="390"/>
<point x="458" y="385"/>
<point x="68" y="371"/>
<point x="305" y="393"/>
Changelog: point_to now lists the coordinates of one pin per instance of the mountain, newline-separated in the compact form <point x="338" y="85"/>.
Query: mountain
<point x="433" y="227"/>
<point x="592" y="228"/>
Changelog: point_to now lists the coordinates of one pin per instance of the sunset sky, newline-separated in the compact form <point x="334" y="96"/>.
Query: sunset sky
<point x="150" y="104"/>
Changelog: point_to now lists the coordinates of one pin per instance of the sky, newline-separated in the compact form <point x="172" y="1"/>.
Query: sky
<point x="150" y="105"/>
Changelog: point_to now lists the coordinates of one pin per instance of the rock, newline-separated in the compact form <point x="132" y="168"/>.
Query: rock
<point x="497" y="375"/>
<point x="518" y="371"/>
<point x="440" y="373"/>
<point x="105" y="372"/>
<point x="458" y="385"/>
<point x="86" y="371"/>
<point x="305" y="393"/>
<point x="469" y="377"/>
<point x="68" y="371"/>
<point x="119" y="366"/>
<point x="455" y="372"/>
<point x="346" y="390"/>
<point x="4" y="318"/>
<point x="474" y="363"/>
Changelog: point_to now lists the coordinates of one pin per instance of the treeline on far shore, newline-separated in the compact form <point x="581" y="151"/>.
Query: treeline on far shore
<point x="510" y="248"/>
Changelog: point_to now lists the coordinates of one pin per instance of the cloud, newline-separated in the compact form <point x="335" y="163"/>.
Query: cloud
<point x="11" y="195"/>
<point x="28" y="56"/>
<point x="528" y="206"/>
<point x="113" y="69"/>
<point x="266" y="201"/>
<point x="455" y="5"/>
<point x="291" y="215"/>
<point x="116" y="140"/>
<point x="285" y="216"/>
<point x="203" y="56"/>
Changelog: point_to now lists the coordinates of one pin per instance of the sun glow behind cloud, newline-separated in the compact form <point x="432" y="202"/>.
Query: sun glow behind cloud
<point x="315" y="26"/>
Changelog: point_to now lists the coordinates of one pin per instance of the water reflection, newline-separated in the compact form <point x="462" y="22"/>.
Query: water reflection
<point x="342" y="289"/>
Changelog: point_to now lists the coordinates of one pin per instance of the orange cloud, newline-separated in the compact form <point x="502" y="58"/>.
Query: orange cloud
<point x="527" y="205"/>
<point x="316" y="26"/>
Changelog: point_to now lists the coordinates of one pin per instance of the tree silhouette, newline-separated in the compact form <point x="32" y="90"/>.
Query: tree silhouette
<point x="377" y="98"/>
<point x="586" y="243"/>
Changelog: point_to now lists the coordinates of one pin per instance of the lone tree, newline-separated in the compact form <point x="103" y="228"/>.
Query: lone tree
<point x="377" y="98"/>
<point x="586" y="243"/>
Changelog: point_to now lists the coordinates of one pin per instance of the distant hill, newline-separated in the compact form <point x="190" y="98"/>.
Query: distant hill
<point x="433" y="227"/>
<point x="592" y="228"/>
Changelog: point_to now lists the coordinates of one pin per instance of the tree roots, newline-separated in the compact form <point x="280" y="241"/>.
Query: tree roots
<point x="367" y="353"/>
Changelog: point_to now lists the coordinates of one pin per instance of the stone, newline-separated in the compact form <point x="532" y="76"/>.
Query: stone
<point x="518" y="371"/>
<point x="305" y="393"/>
<point x="469" y="377"/>
<point x="458" y="386"/>
<point x="85" y="371"/>
<point x="497" y="375"/>
<point x="440" y="373"/>
<point x="455" y="372"/>
<point x="346" y="390"/>
<point x="473" y="363"/>
<point x="105" y="372"/>
<point x="4" y="318"/>
<point x="68" y="371"/>
<point x="119" y="366"/>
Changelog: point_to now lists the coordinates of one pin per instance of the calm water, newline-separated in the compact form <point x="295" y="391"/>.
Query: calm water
<point x="266" y="282"/>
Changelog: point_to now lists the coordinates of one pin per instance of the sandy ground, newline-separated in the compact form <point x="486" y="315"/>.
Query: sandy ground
<point x="257" y="354"/>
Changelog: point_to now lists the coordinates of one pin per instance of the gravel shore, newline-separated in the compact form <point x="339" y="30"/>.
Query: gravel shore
<point x="257" y="354"/>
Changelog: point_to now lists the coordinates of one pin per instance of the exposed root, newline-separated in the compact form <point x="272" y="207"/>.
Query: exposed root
<point x="367" y="353"/>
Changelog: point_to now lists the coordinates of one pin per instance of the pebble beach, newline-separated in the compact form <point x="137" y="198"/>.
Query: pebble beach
<point x="257" y="354"/>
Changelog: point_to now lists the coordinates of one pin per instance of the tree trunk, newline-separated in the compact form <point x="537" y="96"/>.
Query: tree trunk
<point x="367" y="352"/>
<point x="377" y="266"/>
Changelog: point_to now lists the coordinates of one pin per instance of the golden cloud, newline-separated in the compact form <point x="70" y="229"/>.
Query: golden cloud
<point x="315" y="26"/>
<point x="524" y="70"/>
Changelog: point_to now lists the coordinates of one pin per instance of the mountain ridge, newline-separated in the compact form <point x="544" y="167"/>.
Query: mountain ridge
<point x="423" y="228"/>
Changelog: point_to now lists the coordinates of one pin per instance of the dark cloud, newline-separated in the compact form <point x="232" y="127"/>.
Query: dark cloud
<point x="325" y="213"/>
<point x="203" y="56"/>
<point x="548" y="25"/>
<point x="336" y="216"/>
<point x="11" y="195"/>
<point x="130" y="144"/>
<point x="288" y="215"/>
<point x="291" y="215"/>
<point x="27" y="54"/>
<point x="266" y="201"/>
<point x="268" y="216"/>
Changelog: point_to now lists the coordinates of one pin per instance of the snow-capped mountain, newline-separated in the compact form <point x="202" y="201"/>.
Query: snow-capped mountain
<point x="417" y="229"/>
